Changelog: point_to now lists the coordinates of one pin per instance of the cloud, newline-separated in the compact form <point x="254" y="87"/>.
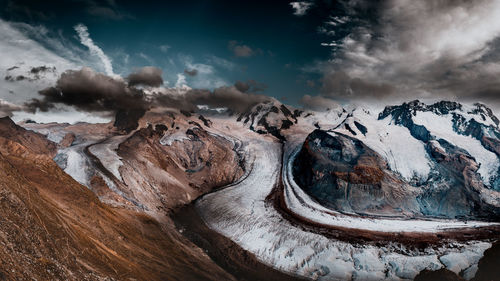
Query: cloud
<point x="240" y="50"/>
<point x="220" y="62"/>
<point x="181" y="81"/>
<point x="148" y="76"/>
<point x="7" y="108"/>
<point x="191" y="72"/>
<point x="164" y="48"/>
<point x="318" y="103"/>
<point x="250" y="86"/>
<point x="227" y="96"/>
<point x="24" y="47"/>
<point x="300" y="8"/>
<point x="91" y="91"/>
<point x="85" y="39"/>
<point x="207" y="76"/>
<point x="107" y="13"/>
<point x="341" y="86"/>
<point x="414" y="49"/>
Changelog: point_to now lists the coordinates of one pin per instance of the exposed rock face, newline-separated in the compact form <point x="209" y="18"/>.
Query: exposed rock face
<point x="164" y="168"/>
<point x="53" y="228"/>
<point x="67" y="140"/>
<point x="128" y="120"/>
<point x="346" y="175"/>
<point x="488" y="265"/>
<point x="270" y="118"/>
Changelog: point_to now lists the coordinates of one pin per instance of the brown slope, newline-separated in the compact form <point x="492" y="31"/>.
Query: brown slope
<point x="52" y="228"/>
<point x="35" y="142"/>
<point x="164" y="177"/>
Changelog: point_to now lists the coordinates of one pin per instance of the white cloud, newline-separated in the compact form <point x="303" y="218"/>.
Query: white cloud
<point x="181" y="81"/>
<point x="19" y="50"/>
<point x="221" y="62"/>
<point x="300" y="8"/>
<point x="165" y="48"/>
<point x="85" y="39"/>
<point x="207" y="75"/>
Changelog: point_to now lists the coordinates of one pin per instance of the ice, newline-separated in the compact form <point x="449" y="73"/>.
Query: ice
<point x="76" y="164"/>
<point x="170" y="137"/>
<point x="106" y="153"/>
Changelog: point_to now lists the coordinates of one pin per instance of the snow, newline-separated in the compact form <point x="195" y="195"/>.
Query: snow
<point x="442" y="128"/>
<point x="106" y="153"/>
<point x="465" y="112"/>
<point x="76" y="163"/>
<point x="240" y="212"/>
<point x="404" y="154"/>
<point x="170" y="137"/>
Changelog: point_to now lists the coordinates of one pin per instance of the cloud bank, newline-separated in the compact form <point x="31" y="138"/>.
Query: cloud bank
<point x="147" y="76"/>
<point x="90" y="91"/>
<point x="415" y="49"/>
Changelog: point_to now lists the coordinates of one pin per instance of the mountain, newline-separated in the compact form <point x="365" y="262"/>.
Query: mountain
<point x="270" y="118"/>
<point x="273" y="191"/>
<point x="53" y="228"/>
<point x="443" y="156"/>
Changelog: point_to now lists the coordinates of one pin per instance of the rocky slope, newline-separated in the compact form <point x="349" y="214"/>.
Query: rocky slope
<point x="270" y="117"/>
<point x="110" y="193"/>
<point x="346" y="175"/>
<point x="53" y="228"/>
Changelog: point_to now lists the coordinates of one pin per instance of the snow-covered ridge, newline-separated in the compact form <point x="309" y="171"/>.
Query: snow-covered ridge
<point x="404" y="154"/>
<point x="402" y="134"/>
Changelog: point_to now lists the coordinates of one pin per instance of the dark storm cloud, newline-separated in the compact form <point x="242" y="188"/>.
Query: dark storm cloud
<point x="250" y="86"/>
<point x="340" y="85"/>
<point x="41" y="69"/>
<point x="12" y="68"/>
<point x="89" y="91"/>
<point x="229" y="97"/>
<point x="240" y="50"/>
<point x="318" y="103"/>
<point x="11" y="78"/>
<point x="107" y="9"/>
<point x="191" y="72"/>
<point x="414" y="49"/>
<point x="148" y="76"/>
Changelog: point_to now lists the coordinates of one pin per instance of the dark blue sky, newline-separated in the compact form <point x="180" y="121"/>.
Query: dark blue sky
<point x="132" y="34"/>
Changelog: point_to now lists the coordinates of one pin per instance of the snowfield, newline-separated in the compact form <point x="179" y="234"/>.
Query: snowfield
<point x="404" y="154"/>
<point x="241" y="213"/>
<point x="442" y="128"/>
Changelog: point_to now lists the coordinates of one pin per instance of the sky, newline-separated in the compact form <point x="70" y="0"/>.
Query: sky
<point x="304" y="53"/>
